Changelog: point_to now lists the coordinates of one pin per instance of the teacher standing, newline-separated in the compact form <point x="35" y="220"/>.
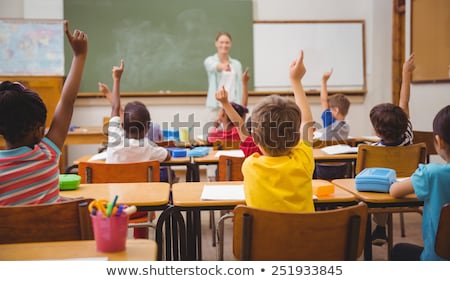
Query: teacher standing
<point x="223" y="70"/>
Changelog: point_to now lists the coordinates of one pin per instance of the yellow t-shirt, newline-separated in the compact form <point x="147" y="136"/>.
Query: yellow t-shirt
<point x="282" y="183"/>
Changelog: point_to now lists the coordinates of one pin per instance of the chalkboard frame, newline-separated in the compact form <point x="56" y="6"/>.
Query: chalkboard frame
<point x="361" y="88"/>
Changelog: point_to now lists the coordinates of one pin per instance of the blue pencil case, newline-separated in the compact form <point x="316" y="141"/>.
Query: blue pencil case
<point x="177" y="152"/>
<point x="375" y="179"/>
<point x="198" y="151"/>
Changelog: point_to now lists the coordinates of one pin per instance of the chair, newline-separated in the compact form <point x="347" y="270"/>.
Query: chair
<point x="404" y="160"/>
<point x="428" y="138"/>
<point x="442" y="243"/>
<point x="228" y="169"/>
<point x="323" y="235"/>
<point x="62" y="221"/>
<point x="100" y="172"/>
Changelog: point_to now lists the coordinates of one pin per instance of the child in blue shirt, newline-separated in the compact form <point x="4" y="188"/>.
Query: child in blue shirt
<point x="430" y="183"/>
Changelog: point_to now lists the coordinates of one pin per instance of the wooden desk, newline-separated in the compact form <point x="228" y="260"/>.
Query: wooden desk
<point x="187" y="197"/>
<point x="377" y="202"/>
<point x="136" y="250"/>
<point x="146" y="196"/>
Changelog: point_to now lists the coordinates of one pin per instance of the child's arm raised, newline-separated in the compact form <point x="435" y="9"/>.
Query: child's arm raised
<point x="107" y="93"/>
<point x="324" y="89"/>
<point x="115" y="102"/>
<point x="64" y="109"/>
<point x="222" y="97"/>
<point x="408" y="68"/>
<point x="296" y="72"/>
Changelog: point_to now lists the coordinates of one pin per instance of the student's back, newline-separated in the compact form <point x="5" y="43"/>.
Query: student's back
<point x="29" y="171"/>
<point x="281" y="179"/>
<point x="430" y="183"/>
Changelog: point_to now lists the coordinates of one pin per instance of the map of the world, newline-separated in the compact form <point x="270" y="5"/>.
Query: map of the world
<point x="31" y="48"/>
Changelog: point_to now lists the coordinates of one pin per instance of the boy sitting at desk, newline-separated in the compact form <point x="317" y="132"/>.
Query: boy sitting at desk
<point x="129" y="143"/>
<point x="391" y="124"/>
<point x="281" y="179"/>
<point x="335" y="109"/>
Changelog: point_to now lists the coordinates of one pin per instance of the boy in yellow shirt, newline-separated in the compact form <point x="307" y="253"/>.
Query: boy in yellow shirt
<point x="281" y="179"/>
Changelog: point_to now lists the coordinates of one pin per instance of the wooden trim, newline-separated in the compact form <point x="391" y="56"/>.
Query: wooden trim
<point x="398" y="48"/>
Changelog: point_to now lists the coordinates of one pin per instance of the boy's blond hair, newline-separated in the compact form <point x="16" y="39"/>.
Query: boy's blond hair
<point x="276" y="125"/>
<point x="341" y="102"/>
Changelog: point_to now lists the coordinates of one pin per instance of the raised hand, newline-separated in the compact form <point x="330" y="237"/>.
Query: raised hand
<point x="118" y="70"/>
<point x="409" y="65"/>
<point x="326" y="75"/>
<point x="77" y="40"/>
<point x="222" y="95"/>
<point x="297" y="69"/>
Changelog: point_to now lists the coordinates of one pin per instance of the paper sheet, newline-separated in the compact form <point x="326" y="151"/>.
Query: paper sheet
<point x="98" y="156"/>
<point x="233" y="152"/>
<point x="223" y="192"/>
<point x="339" y="149"/>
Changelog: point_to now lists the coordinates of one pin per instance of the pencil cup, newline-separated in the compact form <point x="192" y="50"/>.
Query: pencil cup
<point x="110" y="233"/>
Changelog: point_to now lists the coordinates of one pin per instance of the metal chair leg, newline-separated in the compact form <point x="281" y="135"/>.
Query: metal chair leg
<point x="220" y="234"/>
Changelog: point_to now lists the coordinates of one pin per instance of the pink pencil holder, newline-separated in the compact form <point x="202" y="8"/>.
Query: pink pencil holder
<point x="110" y="233"/>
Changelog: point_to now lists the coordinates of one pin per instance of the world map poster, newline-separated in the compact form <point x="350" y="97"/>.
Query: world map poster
<point x="31" y="47"/>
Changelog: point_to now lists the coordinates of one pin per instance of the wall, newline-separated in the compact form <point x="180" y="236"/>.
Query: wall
<point x="378" y="17"/>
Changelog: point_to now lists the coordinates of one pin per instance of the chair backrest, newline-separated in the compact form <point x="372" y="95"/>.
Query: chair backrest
<point x="100" y="172"/>
<point x="324" y="143"/>
<point x="428" y="138"/>
<point x="442" y="243"/>
<point x="229" y="168"/>
<point x="323" y="235"/>
<point x="63" y="221"/>
<point x="403" y="159"/>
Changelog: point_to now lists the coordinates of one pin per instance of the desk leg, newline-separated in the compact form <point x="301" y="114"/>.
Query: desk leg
<point x="368" y="239"/>
<point x="191" y="237"/>
<point x="198" y="234"/>
<point x="193" y="173"/>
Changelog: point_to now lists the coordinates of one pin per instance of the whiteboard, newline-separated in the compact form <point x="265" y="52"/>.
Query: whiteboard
<point x="337" y="45"/>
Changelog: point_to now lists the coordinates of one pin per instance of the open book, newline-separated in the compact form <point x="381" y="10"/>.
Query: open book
<point x="340" y="149"/>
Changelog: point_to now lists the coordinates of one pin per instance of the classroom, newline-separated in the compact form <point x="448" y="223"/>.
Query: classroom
<point x="380" y="61"/>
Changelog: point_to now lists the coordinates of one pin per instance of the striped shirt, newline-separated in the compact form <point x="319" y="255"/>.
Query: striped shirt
<point x="407" y="138"/>
<point x="30" y="176"/>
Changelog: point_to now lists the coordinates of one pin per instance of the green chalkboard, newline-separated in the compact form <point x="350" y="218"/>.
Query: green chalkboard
<point x="163" y="42"/>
